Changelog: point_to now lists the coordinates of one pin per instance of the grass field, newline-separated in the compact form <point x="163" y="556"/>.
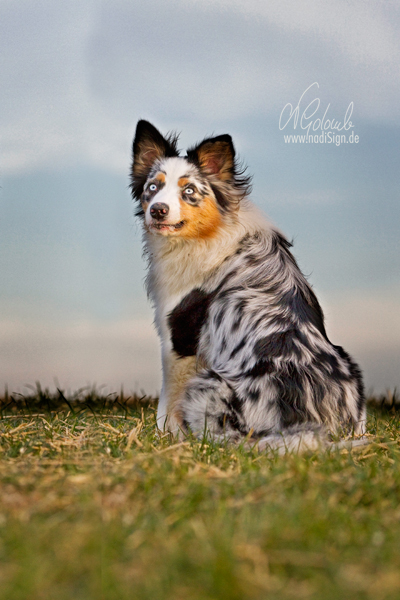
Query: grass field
<point x="95" y="505"/>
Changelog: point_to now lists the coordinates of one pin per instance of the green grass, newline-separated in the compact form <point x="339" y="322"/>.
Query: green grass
<point x="95" y="505"/>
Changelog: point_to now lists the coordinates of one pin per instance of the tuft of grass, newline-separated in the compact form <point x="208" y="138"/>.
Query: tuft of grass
<point x="95" y="504"/>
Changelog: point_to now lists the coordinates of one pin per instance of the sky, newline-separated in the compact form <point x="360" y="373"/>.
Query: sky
<point x="75" y="78"/>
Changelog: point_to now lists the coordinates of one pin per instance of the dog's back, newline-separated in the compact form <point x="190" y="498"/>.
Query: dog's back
<point x="258" y="327"/>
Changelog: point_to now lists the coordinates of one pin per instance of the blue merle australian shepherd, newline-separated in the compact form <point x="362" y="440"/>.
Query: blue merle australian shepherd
<point x="245" y="353"/>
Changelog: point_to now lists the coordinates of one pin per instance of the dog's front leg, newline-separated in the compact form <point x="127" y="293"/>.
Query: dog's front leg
<point x="176" y="373"/>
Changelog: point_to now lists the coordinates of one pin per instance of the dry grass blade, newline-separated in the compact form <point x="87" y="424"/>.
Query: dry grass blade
<point x="173" y="447"/>
<point x="133" y="437"/>
<point x="110" y="428"/>
<point x="20" y="428"/>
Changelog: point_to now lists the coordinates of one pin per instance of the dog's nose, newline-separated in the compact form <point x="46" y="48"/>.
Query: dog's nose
<point x="159" y="211"/>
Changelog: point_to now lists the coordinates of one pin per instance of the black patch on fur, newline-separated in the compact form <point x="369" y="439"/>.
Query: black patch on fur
<point x="263" y="366"/>
<point x="228" y="291"/>
<point x="213" y="375"/>
<point x="221" y="421"/>
<point x="302" y="303"/>
<point x="236" y="324"/>
<point x="328" y="362"/>
<point x="222" y="200"/>
<point x="253" y="260"/>
<point x="223" y="344"/>
<point x="280" y="245"/>
<point x="139" y="212"/>
<point x="219" y="317"/>
<point x="237" y="348"/>
<point x="253" y="395"/>
<point x="280" y="344"/>
<point x="233" y="412"/>
<point x="239" y="310"/>
<point x="285" y="245"/>
<point x="306" y="309"/>
<point x="290" y="398"/>
<point x="236" y="402"/>
<point x="234" y="423"/>
<point x="186" y="320"/>
<point x="319" y="392"/>
<point x="231" y="419"/>
<point x="314" y="312"/>
<point x="357" y="375"/>
<point x="242" y="245"/>
<point x="342" y="402"/>
<point x="186" y="425"/>
<point x="241" y="305"/>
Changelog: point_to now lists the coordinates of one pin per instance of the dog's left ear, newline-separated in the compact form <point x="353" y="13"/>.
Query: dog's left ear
<point x="215" y="156"/>
<point x="148" y="146"/>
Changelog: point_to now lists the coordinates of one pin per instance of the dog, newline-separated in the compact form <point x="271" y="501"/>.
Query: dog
<point x="245" y="354"/>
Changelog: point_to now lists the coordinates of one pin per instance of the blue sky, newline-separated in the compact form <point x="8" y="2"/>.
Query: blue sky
<point x="77" y="75"/>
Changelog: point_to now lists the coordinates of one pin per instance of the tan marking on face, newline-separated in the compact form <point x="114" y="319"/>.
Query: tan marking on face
<point x="160" y="177"/>
<point x="144" y="204"/>
<point x="183" y="181"/>
<point x="202" y="221"/>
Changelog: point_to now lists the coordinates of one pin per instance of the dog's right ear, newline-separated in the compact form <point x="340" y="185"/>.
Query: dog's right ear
<point x="148" y="146"/>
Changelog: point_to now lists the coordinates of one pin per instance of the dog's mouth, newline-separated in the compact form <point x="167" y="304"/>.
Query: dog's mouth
<point x="166" y="226"/>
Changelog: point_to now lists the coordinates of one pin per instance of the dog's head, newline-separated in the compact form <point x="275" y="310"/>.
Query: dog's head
<point x="185" y="196"/>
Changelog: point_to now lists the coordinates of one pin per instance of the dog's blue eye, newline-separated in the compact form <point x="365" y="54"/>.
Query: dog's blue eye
<point x="152" y="187"/>
<point x="189" y="191"/>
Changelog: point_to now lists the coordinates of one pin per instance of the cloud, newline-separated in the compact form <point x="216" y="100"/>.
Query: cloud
<point x="49" y="115"/>
<point x="363" y="31"/>
<point x="78" y="75"/>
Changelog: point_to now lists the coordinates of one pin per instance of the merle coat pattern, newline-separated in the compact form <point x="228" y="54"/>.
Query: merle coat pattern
<point x="244" y="348"/>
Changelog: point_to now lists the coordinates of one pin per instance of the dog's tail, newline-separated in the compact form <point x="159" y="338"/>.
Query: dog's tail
<point x="303" y="439"/>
